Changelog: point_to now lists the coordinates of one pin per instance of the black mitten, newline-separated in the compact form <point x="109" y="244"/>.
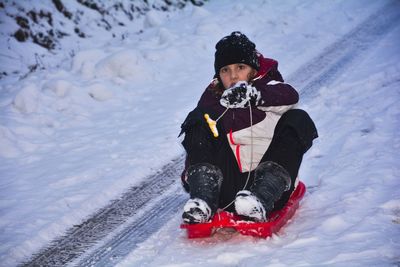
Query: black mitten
<point x="240" y="96"/>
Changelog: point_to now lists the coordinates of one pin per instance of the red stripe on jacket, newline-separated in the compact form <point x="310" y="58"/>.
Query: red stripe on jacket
<point x="237" y="150"/>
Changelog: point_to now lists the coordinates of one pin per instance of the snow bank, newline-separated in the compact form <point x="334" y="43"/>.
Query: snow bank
<point x="26" y="101"/>
<point x="8" y="144"/>
<point x="36" y="35"/>
<point x="61" y="88"/>
<point x="100" y="92"/>
<point x="126" y="64"/>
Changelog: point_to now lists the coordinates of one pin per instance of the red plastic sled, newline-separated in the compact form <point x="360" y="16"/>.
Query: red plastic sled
<point x="225" y="219"/>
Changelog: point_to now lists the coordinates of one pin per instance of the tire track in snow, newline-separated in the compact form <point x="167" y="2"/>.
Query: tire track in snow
<point x="342" y="54"/>
<point x="80" y="238"/>
<point x="79" y="244"/>
<point x="117" y="248"/>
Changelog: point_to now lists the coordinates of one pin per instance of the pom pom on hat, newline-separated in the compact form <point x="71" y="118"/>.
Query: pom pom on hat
<point x="235" y="48"/>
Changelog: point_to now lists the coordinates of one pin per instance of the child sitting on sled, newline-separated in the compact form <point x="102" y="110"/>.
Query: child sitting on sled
<point x="244" y="140"/>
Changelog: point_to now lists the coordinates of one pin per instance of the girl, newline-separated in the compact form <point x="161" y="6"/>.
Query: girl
<point x="244" y="141"/>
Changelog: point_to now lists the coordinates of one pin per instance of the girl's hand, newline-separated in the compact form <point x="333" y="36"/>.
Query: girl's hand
<point x="241" y="95"/>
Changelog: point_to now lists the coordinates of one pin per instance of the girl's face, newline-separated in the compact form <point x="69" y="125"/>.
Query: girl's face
<point x="233" y="73"/>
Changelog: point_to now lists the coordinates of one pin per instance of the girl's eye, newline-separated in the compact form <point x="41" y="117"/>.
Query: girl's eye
<point x="223" y="70"/>
<point x="241" y="67"/>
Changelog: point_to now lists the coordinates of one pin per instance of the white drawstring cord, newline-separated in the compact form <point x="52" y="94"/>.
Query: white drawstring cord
<point x="223" y="113"/>
<point x="251" y="146"/>
<point x="251" y="151"/>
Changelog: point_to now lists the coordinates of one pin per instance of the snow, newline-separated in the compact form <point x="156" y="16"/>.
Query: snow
<point x="77" y="134"/>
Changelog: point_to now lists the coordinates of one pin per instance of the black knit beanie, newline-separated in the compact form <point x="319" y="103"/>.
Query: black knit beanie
<point x="235" y="48"/>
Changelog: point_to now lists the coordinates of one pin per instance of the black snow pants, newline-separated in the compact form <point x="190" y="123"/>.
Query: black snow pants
<point x="293" y="136"/>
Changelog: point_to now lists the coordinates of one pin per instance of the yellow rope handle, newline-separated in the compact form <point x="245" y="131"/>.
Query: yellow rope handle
<point x="212" y="124"/>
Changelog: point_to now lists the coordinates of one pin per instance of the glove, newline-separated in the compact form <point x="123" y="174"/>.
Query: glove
<point x="240" y="96"/>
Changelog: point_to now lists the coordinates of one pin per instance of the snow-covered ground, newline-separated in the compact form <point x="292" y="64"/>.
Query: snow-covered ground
<point x="75" y="137"/>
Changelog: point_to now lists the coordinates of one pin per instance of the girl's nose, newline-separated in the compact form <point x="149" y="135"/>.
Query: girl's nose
<point x="234" y="75"/>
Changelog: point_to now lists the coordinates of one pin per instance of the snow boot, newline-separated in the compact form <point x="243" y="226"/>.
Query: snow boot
<point x="204" y="182"/>
<point x="249" y="206"/>
<point x="270" y="181"/>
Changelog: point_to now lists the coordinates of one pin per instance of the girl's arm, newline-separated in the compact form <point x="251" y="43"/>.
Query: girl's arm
<point x="276" y="93"/>
<point x="276" y="96"/>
